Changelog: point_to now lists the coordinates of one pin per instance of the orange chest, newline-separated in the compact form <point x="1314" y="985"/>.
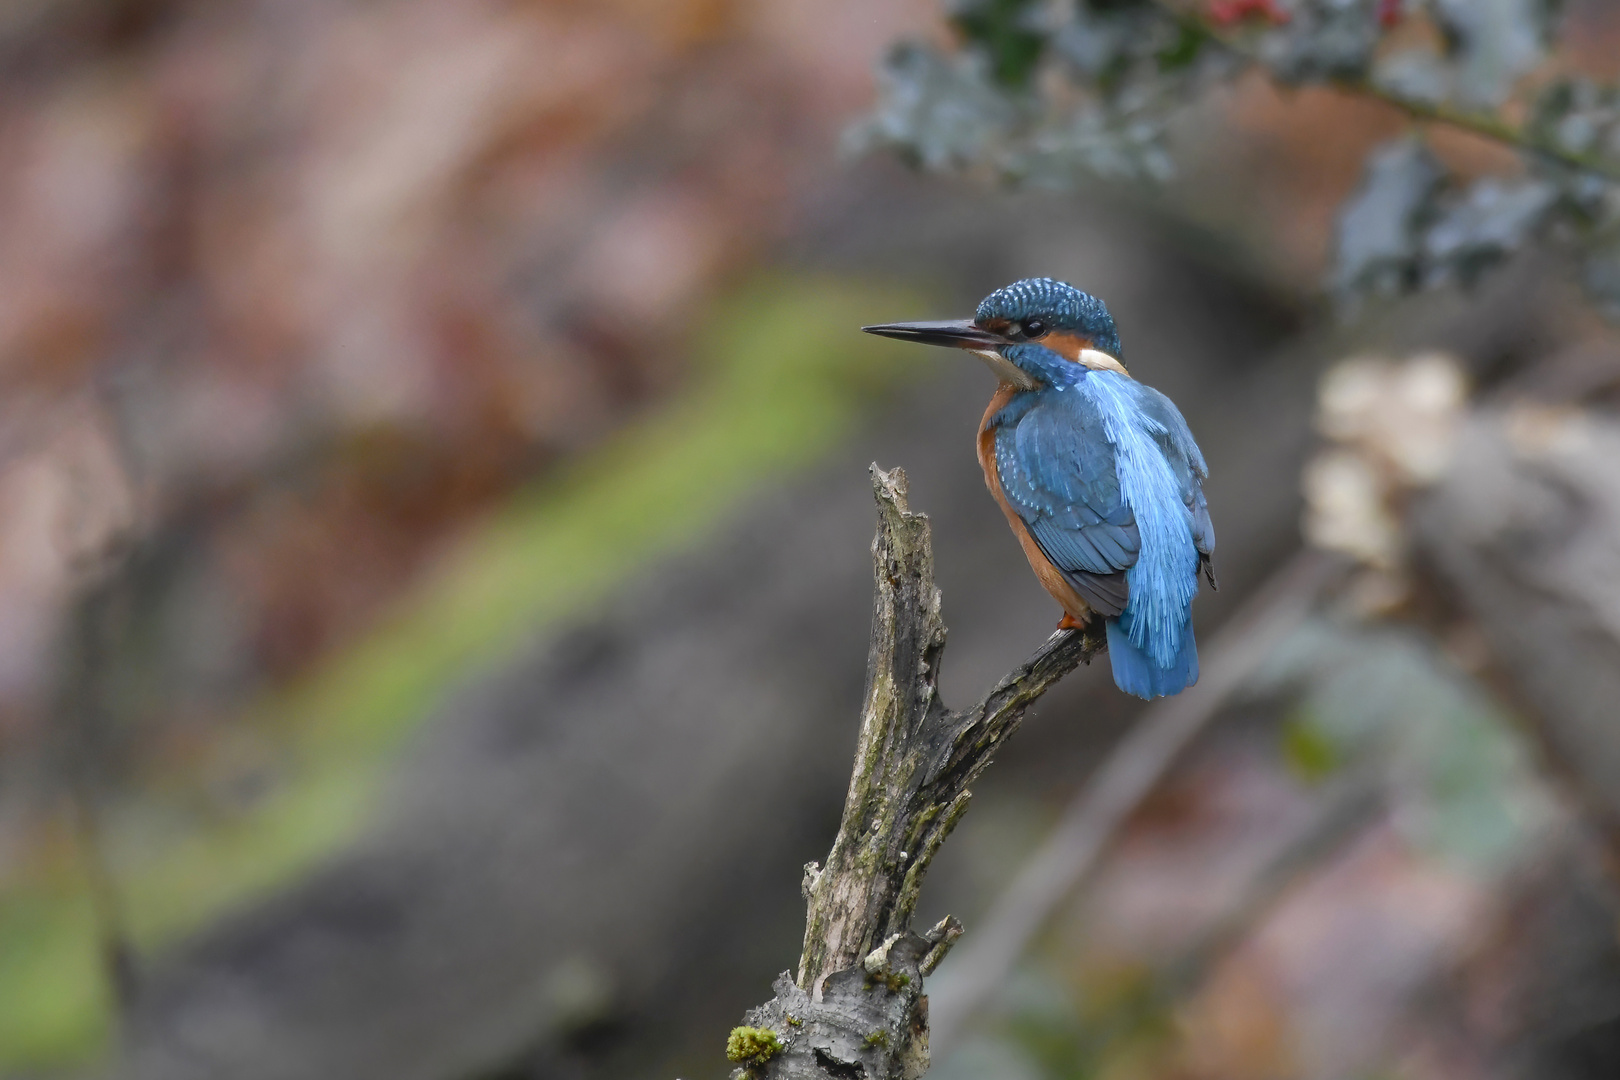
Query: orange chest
<point x="987" y="442"/>
<point x="1050" y="577"/>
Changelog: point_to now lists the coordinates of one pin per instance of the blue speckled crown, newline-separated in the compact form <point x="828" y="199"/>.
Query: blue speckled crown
<point x="1057" y="303"/>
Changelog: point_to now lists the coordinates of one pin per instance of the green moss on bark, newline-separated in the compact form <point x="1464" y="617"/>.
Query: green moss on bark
<point x="752" y="1045"/>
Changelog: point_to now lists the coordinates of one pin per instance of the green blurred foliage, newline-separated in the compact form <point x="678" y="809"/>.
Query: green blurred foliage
<point x="1310" y="754"/>
<point x="1457" y="763"/>
<point x="1006" y="31"/>
<point x="1119" y="1025"/>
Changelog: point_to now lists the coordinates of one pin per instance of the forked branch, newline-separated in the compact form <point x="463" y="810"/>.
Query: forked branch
<point x="856" y="1008"/>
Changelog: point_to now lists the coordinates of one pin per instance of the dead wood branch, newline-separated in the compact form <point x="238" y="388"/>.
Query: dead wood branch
<point x="856" y="1010"/>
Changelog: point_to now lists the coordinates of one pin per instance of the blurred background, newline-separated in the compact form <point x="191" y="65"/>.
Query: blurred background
<point x="434" y="526"/>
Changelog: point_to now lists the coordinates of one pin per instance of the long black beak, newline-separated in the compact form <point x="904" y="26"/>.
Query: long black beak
<point x="958" y="334"/>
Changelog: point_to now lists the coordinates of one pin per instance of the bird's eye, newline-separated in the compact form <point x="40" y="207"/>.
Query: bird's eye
<point x="1032" y="328"/>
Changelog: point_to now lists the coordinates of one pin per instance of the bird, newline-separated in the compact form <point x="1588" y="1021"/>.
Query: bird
<point x="1099" y="475"/>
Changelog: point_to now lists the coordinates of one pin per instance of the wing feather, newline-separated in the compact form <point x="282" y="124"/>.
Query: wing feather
<point x="1181" y="451"/>
<point x="1057" y="472"/>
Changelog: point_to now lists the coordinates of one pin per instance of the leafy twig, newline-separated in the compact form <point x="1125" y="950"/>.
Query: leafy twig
<point x="1485" y="124"/>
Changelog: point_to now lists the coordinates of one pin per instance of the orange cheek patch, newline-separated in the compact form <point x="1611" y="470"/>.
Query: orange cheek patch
<point x="1066" y="345"/>
<point x="1078" y="349"/>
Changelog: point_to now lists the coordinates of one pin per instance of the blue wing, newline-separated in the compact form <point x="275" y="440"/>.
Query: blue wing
<point x="1057" y="471"/>
<point x="1187" y="463"/>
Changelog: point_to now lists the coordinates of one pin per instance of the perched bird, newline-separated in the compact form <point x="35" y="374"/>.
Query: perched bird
<point x="1098" y="475"/>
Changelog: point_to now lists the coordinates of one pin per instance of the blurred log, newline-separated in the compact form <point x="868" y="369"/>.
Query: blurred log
<point x="1523" y="541"/>
<point x="857" y="1007"/>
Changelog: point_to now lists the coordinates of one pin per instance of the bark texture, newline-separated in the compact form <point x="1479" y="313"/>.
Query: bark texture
<point x="856" y="1010"/>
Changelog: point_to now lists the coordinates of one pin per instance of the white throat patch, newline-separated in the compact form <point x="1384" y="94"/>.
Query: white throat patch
<point x="1100" y="361"/>
<point x="1006" y="370"/>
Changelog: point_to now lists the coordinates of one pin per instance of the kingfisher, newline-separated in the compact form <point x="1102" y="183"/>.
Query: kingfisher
<point x="1099" y="475"/>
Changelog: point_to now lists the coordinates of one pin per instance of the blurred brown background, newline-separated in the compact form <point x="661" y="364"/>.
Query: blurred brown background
<point x="433" y="555"/>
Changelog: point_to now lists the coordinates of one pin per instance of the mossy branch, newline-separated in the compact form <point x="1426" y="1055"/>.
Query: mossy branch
<point x="856" y="1007"/>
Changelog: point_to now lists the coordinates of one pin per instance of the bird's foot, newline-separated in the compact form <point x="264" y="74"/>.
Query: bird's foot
<point x="1069" y="622"/>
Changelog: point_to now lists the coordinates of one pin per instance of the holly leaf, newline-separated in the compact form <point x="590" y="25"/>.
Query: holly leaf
<point x="1491" y="221"/>
<point x="1007" y="31"/>
<point x="1380" y="228"/>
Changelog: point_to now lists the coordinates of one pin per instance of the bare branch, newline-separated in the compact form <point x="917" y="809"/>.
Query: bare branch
<point x="1131" y="772"/>
<point x="856" y="1008"/>
<point x="1486" y="125"/>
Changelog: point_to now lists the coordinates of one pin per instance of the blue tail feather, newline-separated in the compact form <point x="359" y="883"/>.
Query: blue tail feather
<point x="1135" y="671"/>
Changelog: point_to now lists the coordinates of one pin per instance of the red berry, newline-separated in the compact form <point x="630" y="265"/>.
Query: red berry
<point x="1227" y="12"/>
